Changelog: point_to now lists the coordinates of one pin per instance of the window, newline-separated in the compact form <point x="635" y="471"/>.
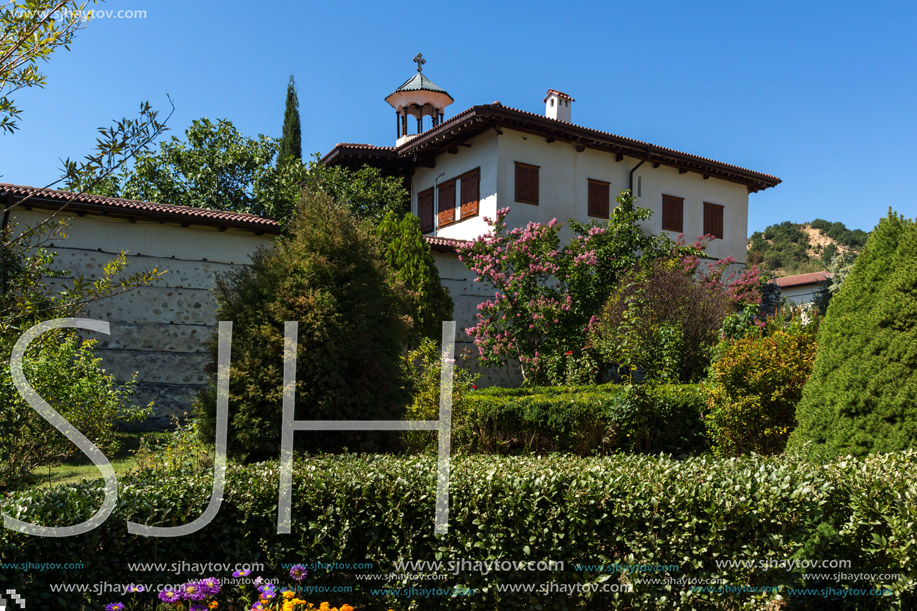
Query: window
<point x="447" y="203"/>
<point x="673" y="213"/>
<point x="599" y="197"/>
<point x="471" y="192"/>
<point x="425" y="210"/>
<point x="526" y="183"/>
<point x="713" y="220"/>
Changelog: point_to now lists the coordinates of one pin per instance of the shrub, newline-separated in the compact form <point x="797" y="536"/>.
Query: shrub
<point x="582" y="420"/>
<point x="413" y="272"/>
<point x="422" y="372"/>
<point x="625" y="509"/>
<point x="326" y="273"/>
<point x="662" y="323"/>
<point x="65" y="373"/>
<point x="755" y="383"/>
<point x="547" y="294"/>
<point x="862" y="396"/>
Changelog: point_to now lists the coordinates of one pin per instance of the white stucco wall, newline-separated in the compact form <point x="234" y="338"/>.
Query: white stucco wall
<point x="482" y="154"/>
<point x="563" y="188"/>
<point x="803" y="294"/>
<point x="161" y="331"/>
<point x="466" y="295"/>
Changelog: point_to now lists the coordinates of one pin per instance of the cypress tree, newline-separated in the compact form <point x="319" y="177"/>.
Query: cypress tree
<point x="862" y="396"/>
<point x="291" y="140"/>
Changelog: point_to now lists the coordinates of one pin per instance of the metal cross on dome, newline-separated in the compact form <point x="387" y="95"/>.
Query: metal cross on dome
<point x="420" y="61"/>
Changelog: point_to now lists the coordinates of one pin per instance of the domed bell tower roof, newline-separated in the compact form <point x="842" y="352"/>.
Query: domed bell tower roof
<point x="418" y="97"/>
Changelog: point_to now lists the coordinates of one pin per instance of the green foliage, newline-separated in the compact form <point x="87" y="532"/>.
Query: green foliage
<point x="785" y="247"/>
<point x="625" y="509"/>
<point x="756" y="382"/>
<point x="29" y="36"/>
<point x="583" y="420"/>
<point x="547" y="294"/>
<point x="422" y="374"/>
<point x="215" y="167"/>
<point x="182" y="450"/>
<point x="327" y="273"/>
<point x="855" y="238"/>
<point x="413" y="271"/>
<point x="366" y="192"/>
<point x="862" y="396"/>
<point x="662" y="323"/>
<point x="291" y="139"/>
<point x="66" y="374"/>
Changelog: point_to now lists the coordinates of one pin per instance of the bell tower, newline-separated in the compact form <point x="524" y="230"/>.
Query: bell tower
<point x="417" y="97"/>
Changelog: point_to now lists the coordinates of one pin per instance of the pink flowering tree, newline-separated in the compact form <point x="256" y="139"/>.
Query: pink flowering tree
<point x="547" y="294"/>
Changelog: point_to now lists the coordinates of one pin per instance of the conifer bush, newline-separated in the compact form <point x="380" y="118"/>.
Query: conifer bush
<point x="327" y="273"/>
<point x="862" y="396"/>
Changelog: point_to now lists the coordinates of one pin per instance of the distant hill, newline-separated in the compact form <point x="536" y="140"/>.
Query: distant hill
<point x="799" y="248"/>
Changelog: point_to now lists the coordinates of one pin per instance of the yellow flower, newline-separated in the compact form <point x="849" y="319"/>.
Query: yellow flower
<point x="346" y="608"/>
<point x="289" y="594"/>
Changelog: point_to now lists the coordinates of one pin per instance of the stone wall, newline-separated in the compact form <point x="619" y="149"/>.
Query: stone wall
<point x="161" y="331"/>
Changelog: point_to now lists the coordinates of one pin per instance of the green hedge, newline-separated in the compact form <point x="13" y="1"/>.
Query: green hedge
<point x="626" y="509"/>
<point x="582" y="420"/>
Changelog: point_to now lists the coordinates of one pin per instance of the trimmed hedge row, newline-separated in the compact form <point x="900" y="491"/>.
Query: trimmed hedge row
<point x="624" y="509"/>
<point x="582" y="420"/>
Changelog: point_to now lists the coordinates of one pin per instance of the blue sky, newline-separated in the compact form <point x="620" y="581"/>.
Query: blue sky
<point x="821" y="94"/>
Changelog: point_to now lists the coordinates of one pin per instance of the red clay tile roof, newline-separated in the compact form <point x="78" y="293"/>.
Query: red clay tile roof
<point x="461" y="127"/>
<point x="443" y="244"/>
<point x="131" y="208"/>
<point x="803" y="279"/>
<point x="560" y="94"/>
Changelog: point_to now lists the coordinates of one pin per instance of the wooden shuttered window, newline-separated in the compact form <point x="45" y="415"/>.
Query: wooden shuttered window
<point x="471" y="192"/>
<point x="599" y="198"/>
<point x="713" y="220"/>
<point x="526" y="183"/>
<point x="673" y="213"/>
<point x="447" y="202"/>
<point x="425" y="210"/>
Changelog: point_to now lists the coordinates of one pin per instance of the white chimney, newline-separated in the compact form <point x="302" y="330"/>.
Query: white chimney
<point x="557" y="105"/>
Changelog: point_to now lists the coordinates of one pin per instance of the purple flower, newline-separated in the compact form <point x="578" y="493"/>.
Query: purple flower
<point x="242" y="573"/>
<point x="210" y="585"/>
<point x="114" y="607"/>
<point x="268" y="591"/>
<point x="169" y="596"/>
<point x="193" y="591"/>
<point x="298" y="572"/>
<point x="135" y="588"/>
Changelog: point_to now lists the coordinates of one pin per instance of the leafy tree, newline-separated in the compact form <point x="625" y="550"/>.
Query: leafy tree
<point x="547" y="295"/>
<point x="215" y="167"/>
<point x="411" y="269"/>
<point x="31" y="31"/>
<point x="862" y="396"/>
<point x="367" y="193"/>
<point x="61" y="368"/>
<point x="291" y="140"/>
<point x="662" y="321"/>
<point x="327" y="273"/>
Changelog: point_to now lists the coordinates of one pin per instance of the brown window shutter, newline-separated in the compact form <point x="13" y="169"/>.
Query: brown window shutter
<point x="713" y="220"/>
<point x="471" y="192"/>
<point x="447" y="203"/>
<point x="599" y="198"/>
<point x="673" y="209"/>
<point x="425" y="210"/>
<point x="526" y="183"/>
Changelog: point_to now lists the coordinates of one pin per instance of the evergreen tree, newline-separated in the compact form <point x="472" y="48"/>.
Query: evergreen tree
<point x="413" y="272"/>
<point x="327" y="273"/>
<point x="862" y="396"/>
<point x="291" y="140"/>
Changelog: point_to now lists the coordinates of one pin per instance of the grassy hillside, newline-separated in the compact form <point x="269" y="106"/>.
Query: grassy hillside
<point x="798" y="248"/>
